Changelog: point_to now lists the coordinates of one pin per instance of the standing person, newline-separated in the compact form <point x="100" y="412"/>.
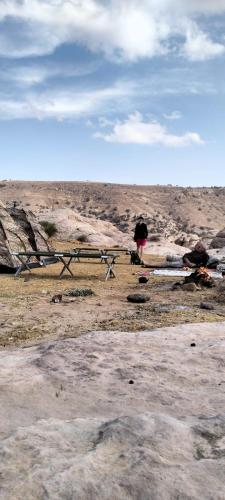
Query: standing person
<point x="140" y="236"/>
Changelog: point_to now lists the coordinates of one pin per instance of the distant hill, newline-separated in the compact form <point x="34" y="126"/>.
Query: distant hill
<point x="170" y="211"/>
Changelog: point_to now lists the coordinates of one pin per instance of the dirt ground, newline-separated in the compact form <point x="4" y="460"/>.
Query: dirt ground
<point x="27" y="314"/>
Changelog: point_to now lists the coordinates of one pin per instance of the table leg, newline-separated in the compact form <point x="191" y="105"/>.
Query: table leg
<point x="110" y="273"/>
<point x="23" y="264"/>
<point x="66" y="266"/>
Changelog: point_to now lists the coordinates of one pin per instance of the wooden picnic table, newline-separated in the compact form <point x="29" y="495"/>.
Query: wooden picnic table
<point x="66" y="258"/>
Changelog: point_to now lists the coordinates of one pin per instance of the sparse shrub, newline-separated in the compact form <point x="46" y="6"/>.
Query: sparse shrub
<point x="49" y="227"/>
<point x="78" y="292"/>
<point x="82" y="238"/>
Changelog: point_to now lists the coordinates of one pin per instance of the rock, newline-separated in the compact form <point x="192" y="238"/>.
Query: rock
<point x="193" y="344"/>
<point x="219" y="240"/>
<point x="207" y="305"/>
<point x="56" y="299"/>
<point x="137" y="298"/>
<point x="154" y="237"/>
<point x="181" y="241"/>
<point x="19" y="229"/>
<point x="104" y="458"/>
<point x="97" y="438"/>
<point x="72" y="225"/>
<point x="143" y="279"/>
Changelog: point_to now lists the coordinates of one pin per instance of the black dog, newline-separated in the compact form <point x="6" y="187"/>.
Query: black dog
<point x="134" y="258"/>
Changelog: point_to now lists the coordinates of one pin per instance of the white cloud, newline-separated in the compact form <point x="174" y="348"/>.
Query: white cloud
<point x="121" y="29"/>
<point x="136" y="131"/>
<point x="175" y="115"/>
<point x="203" y="6"/>
<point x="34" y="74"/>
<point x="62" y="105"/>
<point x="89" y="124"/>
<point x="199" y="47"/>
<point x="104" y="122"/>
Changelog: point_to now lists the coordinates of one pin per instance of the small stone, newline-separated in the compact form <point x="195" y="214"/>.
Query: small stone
<point x="207" y="305"/>
<point x="137" y="298"/>
<point x="56" y="299"/>
<point x="143" y="279"/>
<point x="193" y="344"/>
<point x="131" y="382"/>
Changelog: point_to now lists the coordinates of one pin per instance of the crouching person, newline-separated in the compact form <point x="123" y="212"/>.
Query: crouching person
<point x="197" y="258"/>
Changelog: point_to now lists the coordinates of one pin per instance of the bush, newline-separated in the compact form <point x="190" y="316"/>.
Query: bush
<point x="49" y="227"/>
<point x="82" y="238"/>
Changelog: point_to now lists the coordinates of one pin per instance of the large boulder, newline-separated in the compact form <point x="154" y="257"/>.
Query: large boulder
<point x="113" y="415"/>
<point x="73" y="226"/>
<point x="219" y="240"/>
<point x="19" y="231"/>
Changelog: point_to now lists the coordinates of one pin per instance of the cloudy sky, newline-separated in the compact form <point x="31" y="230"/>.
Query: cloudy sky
<point x="129" y="91"/>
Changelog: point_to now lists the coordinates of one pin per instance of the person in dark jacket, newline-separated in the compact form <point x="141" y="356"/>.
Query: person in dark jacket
<point x="140" y="236"/>
<point x="198" y="257"/>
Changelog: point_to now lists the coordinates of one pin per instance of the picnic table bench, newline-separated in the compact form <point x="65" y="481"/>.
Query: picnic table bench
<point x="65" y="257"/>
<point x="101" y="251"/>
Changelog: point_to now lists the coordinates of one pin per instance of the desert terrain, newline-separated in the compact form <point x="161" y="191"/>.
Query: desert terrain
<point x="29" y="316"/>
<point x="169" y="210"/>
<point x="100" y="397"/>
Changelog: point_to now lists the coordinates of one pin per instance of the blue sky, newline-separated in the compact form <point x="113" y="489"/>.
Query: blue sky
<point x="129" y="91"/>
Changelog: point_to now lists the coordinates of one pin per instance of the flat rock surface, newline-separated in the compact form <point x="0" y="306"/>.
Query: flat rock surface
<point x="72" y="425"/>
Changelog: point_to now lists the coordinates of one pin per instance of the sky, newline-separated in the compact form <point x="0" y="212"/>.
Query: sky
<point x="124" y="91"/>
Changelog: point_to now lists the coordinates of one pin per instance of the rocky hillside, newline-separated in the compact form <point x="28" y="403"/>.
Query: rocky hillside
<point x="170" y="211"/>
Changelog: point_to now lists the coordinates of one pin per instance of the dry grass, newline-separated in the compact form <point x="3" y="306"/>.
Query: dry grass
<point x="27" y="315"/>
